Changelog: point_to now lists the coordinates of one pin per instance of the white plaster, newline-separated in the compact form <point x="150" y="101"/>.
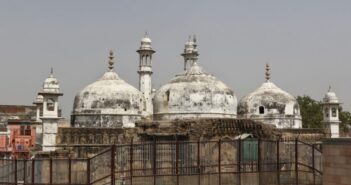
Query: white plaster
<point x="331" y="121"/>
<point x="194" y="94"/>
<point x="280" y="108"/>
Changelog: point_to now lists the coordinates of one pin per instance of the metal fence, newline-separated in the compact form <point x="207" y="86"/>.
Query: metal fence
<point x="224" y="162"/>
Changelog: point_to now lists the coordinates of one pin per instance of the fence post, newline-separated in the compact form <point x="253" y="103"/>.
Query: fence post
<point x="154" y="161"/>
<point x="239" y="161"/>
<point x="16" y="180"/>
<point x="131" y="162"/>
<point x="198" y="163"/>
<point x="313" y="165"/>
<point x="88" y="171"/>
<point x="278" y="163"/>
<point x="177" y="160"/>
<point x="69" y="170"/>
<point x="50" y="170"/>
<point x="113" y="152"/>
<point x="219" y="162"/>
<point x="24" y="170"/>
<point x="259" y="160"/>
<point x="296" y="162"/>
<point x="33" y="170"/>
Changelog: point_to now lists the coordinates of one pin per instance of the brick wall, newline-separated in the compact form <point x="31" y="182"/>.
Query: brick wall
<point x="337" y="161"/>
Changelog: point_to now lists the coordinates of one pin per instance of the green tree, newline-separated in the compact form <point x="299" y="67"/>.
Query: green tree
<point x="345" y="118"/>
<point x="312" y="115"/>
<point x="311" y="112"/>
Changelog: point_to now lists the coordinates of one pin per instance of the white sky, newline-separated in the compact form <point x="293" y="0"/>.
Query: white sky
<point x="307" y="43"/>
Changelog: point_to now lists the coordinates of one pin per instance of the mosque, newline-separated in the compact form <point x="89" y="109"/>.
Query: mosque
<point x="110" y="102"/>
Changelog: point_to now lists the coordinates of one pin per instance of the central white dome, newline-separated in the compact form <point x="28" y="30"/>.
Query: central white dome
<point x="108" y="102"/>
<point x="109" y="95"/>
<point x="194" y="94"/>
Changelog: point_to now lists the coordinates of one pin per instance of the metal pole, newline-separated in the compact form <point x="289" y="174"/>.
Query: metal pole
<point x="198" y="163"/>
<point x="313" y="165"/>
<point x="278" y="163"/>
<point x="88" y="171"/>
<point x="131" y="162"/>
<point x="69" y="170"/>
<point x="177" y="160"/>
<point x="50" y="171"/>
<point x="259" y="160"/>
<point x="154" y="161"/>
<point x="24" y="170"/>
<point x="219" y="161"/>
<point x="296" y="162"/>
<point x="113" y="151"/>
<point x="33" y="171"/>
<point x="239" y="161"/>
<point x="16" y="180"/>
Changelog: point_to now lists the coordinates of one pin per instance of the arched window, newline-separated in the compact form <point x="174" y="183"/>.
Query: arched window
<point x="334" y="112"/>
<point x="50" y="106"/>
<point x="261" y="110"/>
<point x="326" y="111"/>
<point x="167" y="95"/>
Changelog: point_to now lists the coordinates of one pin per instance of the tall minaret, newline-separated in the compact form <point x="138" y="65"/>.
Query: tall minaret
<point x="331" y="106"/>
<point x="50" y="117"/>
<point x="145" y="72"/>
<point x="190" y="52"/>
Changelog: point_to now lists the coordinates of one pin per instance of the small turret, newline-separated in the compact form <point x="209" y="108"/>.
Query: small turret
<point x="331" y="119"/>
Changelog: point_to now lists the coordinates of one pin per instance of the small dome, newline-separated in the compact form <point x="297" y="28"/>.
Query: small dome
<point x="145" y="43"/>
<point x="330" y="97"/>
<point x="39" y="99"/>
<point x="271" y="104"/>
<point x="146" y="40"/>
<point x="51" y="84"/>
<point x="194" y="94"/>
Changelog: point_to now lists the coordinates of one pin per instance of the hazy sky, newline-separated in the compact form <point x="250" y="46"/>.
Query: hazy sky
<point x="307" y="43"/>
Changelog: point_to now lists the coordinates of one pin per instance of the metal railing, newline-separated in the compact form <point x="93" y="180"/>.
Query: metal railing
<point x="223" y="162"/>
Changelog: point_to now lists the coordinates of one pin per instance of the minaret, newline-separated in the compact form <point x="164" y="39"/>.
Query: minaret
<point x="145" y="72"/>
<point x="190" y="52"/>
<point x="50" y="117"/>
<point x="331" y="106"/>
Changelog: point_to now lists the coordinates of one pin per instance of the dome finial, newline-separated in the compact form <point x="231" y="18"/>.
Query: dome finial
<point x="110" y="62"/>
<point x="51" y="72"/>
<point x="268" y="74"/>
<point x="330" y="88"/>
<point x="146" y="34"/>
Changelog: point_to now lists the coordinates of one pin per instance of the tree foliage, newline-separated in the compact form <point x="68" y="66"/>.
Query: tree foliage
<point x="345" y="118"/>
<point x="311" y="112"/>
<point x="312" y="115"/>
